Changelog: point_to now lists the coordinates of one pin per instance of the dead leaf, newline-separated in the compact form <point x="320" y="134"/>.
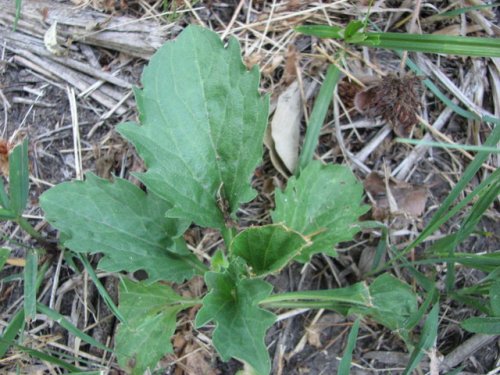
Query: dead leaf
<point x="285" y="127"/>
<point x="347" y="91"/>
<point x="50" y="41"/>
<point x="4" y="157"/>
<point x="315" y="330"/>
<point x="253" y="59"/>
<point x="198" y="360"/>
<point x="290" y="71"/>
<point x="105" y="164"/>
<point x="408" y="200"/>
<point x="275" y="62"/>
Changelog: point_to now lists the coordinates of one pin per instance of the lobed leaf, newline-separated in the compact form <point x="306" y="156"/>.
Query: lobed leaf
<point x="240" y="324"/>
<point x="150" y="312"/>
<point x="268" y="248"/>
<point x="203" y="122"/>
<point x="121" y="221"/>
<point x="324" y="204"/>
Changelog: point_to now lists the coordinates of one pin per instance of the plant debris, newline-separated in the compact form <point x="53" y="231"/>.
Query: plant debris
<point x="395" y="197"/>
<point x="396" y="99"/>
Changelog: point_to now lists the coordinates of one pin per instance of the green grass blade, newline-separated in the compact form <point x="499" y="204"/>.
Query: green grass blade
<point x="427" y="339"/>
<point x="422" y="280"/>
<point x="486" y="325"/>
<point x="483" y="262"/>
<point x="459" y="11"/>
<point x="318" y="116"/>
<point x="495" y="298"/>
<point x="345" y="363"/>
<point x="433" y="43"/>
<point x="436" y="222"/>
<point x="30" y="278"/>
<point x="19" y="4"/>
<point x="48" y="358"/>
<point x="15" y="326"/>
<point x="321" y="31"/>
<point x="476" y="303"/>
<point x="488" y="196"/>
<point x="54" y="315"/>
<point x="380" y="250"/>
<point x="19" y="177"/>
<point x="431" y="298"/>
<point x="493" y="150"/>
<point x="7" y="214"/>
<point x="467" y="176"/>
<point x="13" y="277"/>
<point x="456" y="371"/>
<point x="101" y="289"/>
<point x="443" y="44"/>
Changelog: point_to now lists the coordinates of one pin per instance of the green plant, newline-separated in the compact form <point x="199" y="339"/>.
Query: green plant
<point x="445" y="44"/>
<point x="202" y="123"/>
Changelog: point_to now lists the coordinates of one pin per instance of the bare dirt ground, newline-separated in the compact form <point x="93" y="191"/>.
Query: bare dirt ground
<point x="67" y="103"/>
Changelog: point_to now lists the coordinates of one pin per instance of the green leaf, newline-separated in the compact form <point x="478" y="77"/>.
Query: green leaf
<point x="352" y="28"/>
<point x="494" y="298"/>
<point x="19" y="177"/>
<point x="268" y="248"/>
<point x="427" y="339"/>
<point x="434" y="43"/>
<point x="43" y="356"/>
<point x="4" y="255"/>
<point x="323" y="204"/>
<point x="345" y="363"/>
<point x="339" y="299"/>
<point x="7" y="214"/>
<point x="322" y="31"/>
<point x="203" y="122"/>
<point x="108" y="300"/>
<point x="318" y="116"/>
<point x="150" y="312"/>
<point x="219" y="261"/>
<point x="240" y="324"/>
<point x="486" y="325"/>
<point x="66" y="324"/>
<point x="393" y="302"/>
<point x="10" y="332"/>
<point x="30" y="288"/>
<point x="121" y="221"/>
<point x="413" y="320"/>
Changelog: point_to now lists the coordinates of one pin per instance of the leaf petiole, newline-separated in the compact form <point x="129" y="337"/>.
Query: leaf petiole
<point x="357" y="294"/>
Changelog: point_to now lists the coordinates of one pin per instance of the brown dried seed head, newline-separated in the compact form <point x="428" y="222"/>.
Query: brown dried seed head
<point x="395" y="99"/>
